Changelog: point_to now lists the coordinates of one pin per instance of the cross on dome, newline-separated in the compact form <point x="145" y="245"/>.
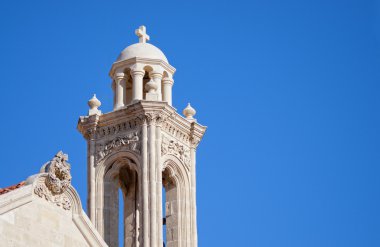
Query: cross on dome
<point x="141" y="33"/>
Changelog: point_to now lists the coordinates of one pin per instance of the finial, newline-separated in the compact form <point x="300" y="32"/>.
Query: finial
<point x="141" y="33"/>
<point x="189" y="112"/>
<point x="94" y="104"/>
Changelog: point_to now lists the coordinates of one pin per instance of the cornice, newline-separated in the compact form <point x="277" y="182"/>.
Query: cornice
<point x="135" y="114"/>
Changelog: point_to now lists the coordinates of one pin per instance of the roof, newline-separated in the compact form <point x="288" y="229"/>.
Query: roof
<point x="10" y="188"/>
<point x="142" y="50"/>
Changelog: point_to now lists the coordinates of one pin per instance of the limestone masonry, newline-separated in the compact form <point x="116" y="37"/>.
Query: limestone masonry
<point x="139" y="148"/>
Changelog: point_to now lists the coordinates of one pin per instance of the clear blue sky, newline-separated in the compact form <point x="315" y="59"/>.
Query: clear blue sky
<point x="288" y="89"/>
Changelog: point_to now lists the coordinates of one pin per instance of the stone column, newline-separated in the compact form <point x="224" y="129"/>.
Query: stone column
<point x="194" y="234"/>
<point x="157" y="76"/>
<point x="120" y="84"/>
<point x="167" y="95"/>
<point x="159" y="184"/>
<point x="137" y="84"/>
<point x="152" y="181"/>
<point x="145" y="187"/>
<point x="91" y="179"/>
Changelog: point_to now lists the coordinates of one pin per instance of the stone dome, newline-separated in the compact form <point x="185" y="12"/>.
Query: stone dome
<point x="142" y="50"/>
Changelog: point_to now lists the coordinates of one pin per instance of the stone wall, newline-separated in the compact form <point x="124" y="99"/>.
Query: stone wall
<point x="39" y="223"/>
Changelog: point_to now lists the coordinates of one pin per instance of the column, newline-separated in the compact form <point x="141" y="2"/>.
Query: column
<point x="137" y="84"/>
<point x="157" y="76"/>
<point x="167" y="95"/>
<point x="120" y="84"/>
<point x="145" y="187"/>
<point x="91" y="179"/>
<point x="194" y="234"/>
<point x="159" y="184"/>
<point x="152" y="181"/>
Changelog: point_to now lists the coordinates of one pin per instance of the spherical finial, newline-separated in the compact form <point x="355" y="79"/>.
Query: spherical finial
<point x="189" y="112"/>
<point x="94" y="104"/>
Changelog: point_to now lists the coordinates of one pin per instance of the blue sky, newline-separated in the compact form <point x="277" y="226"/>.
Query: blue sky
<point x="288" y="89"/>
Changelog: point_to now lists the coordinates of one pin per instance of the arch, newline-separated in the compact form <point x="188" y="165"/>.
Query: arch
<point x="120" y="169"/>
<point x="176" y="180"/>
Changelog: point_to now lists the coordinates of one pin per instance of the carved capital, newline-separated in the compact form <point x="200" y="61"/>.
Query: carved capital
<point x="120" y="76"/>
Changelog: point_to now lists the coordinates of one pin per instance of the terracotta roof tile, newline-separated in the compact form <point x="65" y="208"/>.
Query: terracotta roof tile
<point x="10" y="188"/>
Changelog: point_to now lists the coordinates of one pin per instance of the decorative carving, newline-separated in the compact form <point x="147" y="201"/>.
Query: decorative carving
<point x="175" y="132"/>
<point x="117" y="128"/>
<point x="131" y="142"/>
<point x="177" y="149"/>
<point x="57" y="181"/>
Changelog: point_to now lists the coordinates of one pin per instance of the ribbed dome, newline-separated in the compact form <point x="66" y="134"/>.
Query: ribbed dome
<point x="143" y="50"/>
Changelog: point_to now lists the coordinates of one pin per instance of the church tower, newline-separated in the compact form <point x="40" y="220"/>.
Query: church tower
<point x="141" y="147"/>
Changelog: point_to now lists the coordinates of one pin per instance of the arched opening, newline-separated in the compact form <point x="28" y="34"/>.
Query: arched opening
<point x="146" y="79"/>
<point x="170" y="209"/>
<point x="120" y="210"/>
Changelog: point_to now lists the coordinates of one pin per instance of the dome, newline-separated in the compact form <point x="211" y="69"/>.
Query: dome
<point x="143" y="50"/>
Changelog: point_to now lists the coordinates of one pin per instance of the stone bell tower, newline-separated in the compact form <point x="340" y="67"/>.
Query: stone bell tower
<point x="141" y="147"/>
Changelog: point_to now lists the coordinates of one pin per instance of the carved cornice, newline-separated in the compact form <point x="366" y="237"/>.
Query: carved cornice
<point x="143" y="112"/>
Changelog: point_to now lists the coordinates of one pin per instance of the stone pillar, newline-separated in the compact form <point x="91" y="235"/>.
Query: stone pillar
<point x="167" y="95"/>
<point x="91" y="179"/>
<point x="130" y="226"/>
<point x="193" y="206"/>
<point x="152" y="181"/>
<point x="111" y="213"/>
<point x="157" y="76"/>
<point x="120" y="84"/>
<point x="145" y="187"/>
<point x="137" y="84"/>
<point x="159" y="184"/>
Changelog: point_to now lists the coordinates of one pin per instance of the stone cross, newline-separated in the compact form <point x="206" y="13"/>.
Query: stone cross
<point x="141" y="33"/>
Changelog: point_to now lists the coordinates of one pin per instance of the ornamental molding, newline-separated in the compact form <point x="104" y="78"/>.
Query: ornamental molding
<point x="130" y="141"/>
<point x="173" y="147"/>
<point x="55" y="181"/>
<point x="176" y="132"/>
<point x="118" y="128"/>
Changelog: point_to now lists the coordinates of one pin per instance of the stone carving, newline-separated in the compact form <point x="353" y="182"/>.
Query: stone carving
<point x="131" y="142"/>
<point x="176" y="132"/>
<point x="117" y="128"/>
<point x="57" y="181"/>
<point x="177" y="149"/>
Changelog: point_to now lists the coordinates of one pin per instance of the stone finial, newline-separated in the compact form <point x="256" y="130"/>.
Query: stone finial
<point x="94" y="104"/>
<point x="189" y="112"/>
<point x="141" y="33"/>
<point x="56" y="180"/>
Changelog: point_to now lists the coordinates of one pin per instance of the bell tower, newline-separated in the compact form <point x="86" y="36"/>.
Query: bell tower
<point x="142" y="147"/>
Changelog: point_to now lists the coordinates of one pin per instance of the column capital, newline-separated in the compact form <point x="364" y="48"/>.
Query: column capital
<point x="168" y="80"/>
<point x="137" y="72"/>
<point x="120" y="76"/>
<point x="155" y="74"/>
